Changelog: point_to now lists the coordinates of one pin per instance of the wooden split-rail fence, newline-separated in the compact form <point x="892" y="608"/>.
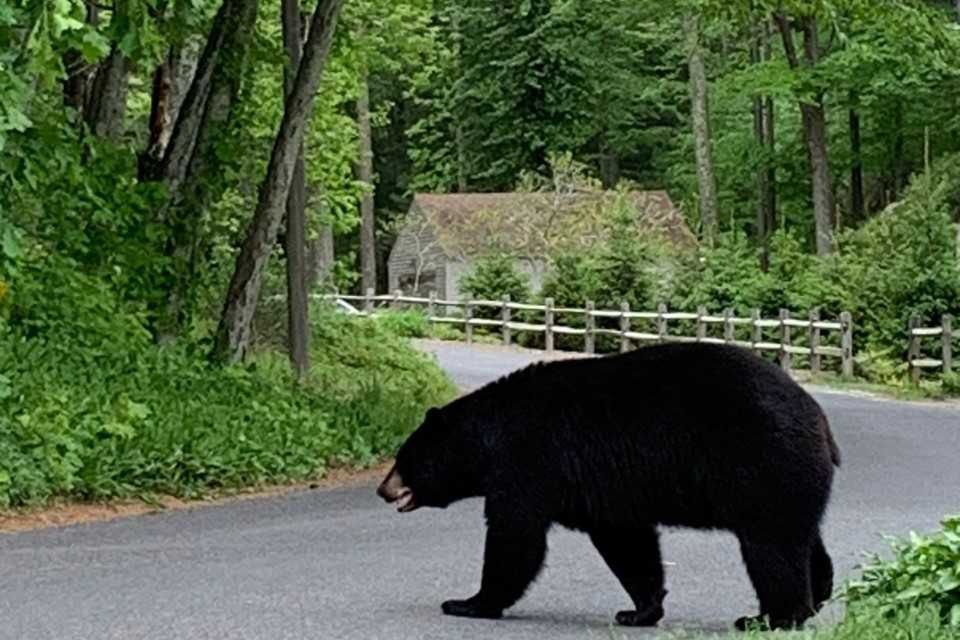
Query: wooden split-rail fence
<point x="820" y="338"/>
<point x="944" y="335"/>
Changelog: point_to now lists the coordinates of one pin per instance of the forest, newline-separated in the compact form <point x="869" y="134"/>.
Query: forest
<point x="177" y="177"/>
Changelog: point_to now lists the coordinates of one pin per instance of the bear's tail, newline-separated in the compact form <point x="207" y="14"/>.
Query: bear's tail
<point x="831" y="443"/>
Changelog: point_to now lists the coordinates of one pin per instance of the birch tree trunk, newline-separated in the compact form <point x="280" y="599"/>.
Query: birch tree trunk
<point x="368" y="253"/>
<point x="233" y="334"/>
<point x="298" y="315"/>
<point x="700" y="113"/>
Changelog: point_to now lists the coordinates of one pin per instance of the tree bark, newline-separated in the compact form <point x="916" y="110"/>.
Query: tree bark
<point x="857" y="206"/>
<point x="763" y="119"/>
<point x="76" y="85"/>
<point x="233" y="334"/>
<point x="191" y="196"/>
<point x="815" y="130"/>
<point x="298" y="314"/>
<point x="106" y="108"/>
<point x="368" y="249"/>
<point x="700" y="112"/>
<point x="172" y="169"/>
<point x="320" y="257"/>
<point x="161" y="116"/>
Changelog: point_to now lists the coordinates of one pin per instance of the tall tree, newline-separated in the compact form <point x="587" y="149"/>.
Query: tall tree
<point x="298" y="315"/>
<point x="700" y="114"/>
<point x="857" y="204"/>
<point x="368" y="252"/>
<point x="763" y="129"/>
<point x="814" y="115"/>
<point x="234" y="331"/>
<point x="193" y="179"/>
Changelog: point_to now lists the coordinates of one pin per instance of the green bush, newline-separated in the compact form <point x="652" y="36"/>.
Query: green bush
<point x="406" y="324"/>
<point x="924" y="571"/>
<point x="96" y="421"/>
<point x="496" y="275"/>
<point x="860" y="623"/>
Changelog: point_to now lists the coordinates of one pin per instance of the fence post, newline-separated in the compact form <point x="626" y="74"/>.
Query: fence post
<point x="368" y="301"/>
<point x="589" y="337"/>
<point x="756" y="331"/>
<point x="661" y="322"/>
<point x="728" y="335"/>
<point x="813" y="335"/>
<point x="396" y="300"/>
<point x="913" y="348"/>
<point x="431" y="312"/>
<point x="548" y="324"/>
<point x="701" y="325"/>
<point x="468" y="316"/>
<point x="784" y="340"/>
<point x="505" y="318"/>
<point x="624" y="327"/>
<point x="947" y="344"/>
<point x="846" y="344"/>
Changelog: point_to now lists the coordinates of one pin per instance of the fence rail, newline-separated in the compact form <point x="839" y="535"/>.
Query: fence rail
<point x="915" y="355"/>
<point x="701" y="322"/>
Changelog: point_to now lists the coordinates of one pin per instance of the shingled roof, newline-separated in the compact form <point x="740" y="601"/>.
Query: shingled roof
<point x="467" y="224"/>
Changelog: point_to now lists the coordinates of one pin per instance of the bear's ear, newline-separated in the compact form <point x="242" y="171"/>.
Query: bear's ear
<point x="433" y="413"/>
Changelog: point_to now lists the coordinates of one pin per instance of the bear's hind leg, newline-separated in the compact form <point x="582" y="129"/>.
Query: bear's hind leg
<point x="780" y="572"/>
<point x="634" y="557"/>
<point x="821" y="573"/>
<point x="512" y="558"/>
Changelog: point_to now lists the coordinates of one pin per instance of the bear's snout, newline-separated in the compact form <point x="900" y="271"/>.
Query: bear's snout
<point x="392" y="490"/>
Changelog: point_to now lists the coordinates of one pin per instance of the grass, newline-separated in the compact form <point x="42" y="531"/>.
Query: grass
<point x="863" y="623"/>
<point x="109" y="421"/>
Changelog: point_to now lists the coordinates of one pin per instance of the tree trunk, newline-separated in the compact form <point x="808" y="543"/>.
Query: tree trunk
<point x="233" y="334"/>
<point x="76" y="84"/>
<point x="172" y="169"/>
<point x="106" y="108"/>
<point x="899" y="168"/>
<point x="814" y="131"/>
<point x="320" y="257"/>
<point x="161" y="116"/>
<point x="368" y="256"/>
<point x="171" y="80"/>
<point x="857" y="207"/>
<point x="298" y="315"/>
<point x="700" y="112"/>
<point x="763" y="118"/>
<point x="186" y="242"/>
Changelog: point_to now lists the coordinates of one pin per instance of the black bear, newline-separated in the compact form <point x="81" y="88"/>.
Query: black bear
<point x="694" y="435"/>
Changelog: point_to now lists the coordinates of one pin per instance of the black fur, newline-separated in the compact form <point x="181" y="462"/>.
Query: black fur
<point x="693" y="435"/>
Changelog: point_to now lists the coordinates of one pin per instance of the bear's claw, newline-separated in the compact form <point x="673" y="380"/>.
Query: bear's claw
<point x="764" y="623"/>
<point x="469" y="609"/>
<point x="647" y="618"/>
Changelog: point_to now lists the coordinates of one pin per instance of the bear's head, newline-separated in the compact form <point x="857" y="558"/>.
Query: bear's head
<point x="436" y="466"/>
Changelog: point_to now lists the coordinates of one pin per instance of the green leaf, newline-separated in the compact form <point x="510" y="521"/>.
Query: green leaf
<point x="955" y="615"/>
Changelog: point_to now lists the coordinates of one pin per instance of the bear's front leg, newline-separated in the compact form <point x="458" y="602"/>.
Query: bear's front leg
<point x="512" y="558"/>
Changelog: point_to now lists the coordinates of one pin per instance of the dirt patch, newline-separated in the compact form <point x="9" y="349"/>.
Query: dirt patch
<point x="63" y="514"/>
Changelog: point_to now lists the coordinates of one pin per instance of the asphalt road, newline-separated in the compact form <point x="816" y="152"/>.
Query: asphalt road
<point x="340" y="564"/>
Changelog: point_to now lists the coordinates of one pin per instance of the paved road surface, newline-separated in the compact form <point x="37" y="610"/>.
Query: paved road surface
<point x="339" y="564"/>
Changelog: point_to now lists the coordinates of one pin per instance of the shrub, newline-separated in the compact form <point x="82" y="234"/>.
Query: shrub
<point x="133" y="421"/>
<point x="496" y="275"/>
<point x="925" y="571"/>
<point x="405" y="324"/>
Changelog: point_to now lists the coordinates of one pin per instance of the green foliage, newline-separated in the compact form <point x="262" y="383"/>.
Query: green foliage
<point x="494" y="276"/>
<point x="924" y="571"/>
<point x="860" y="623"/>
<point x="406" y="324"/>
<point x="152" y="420"/>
